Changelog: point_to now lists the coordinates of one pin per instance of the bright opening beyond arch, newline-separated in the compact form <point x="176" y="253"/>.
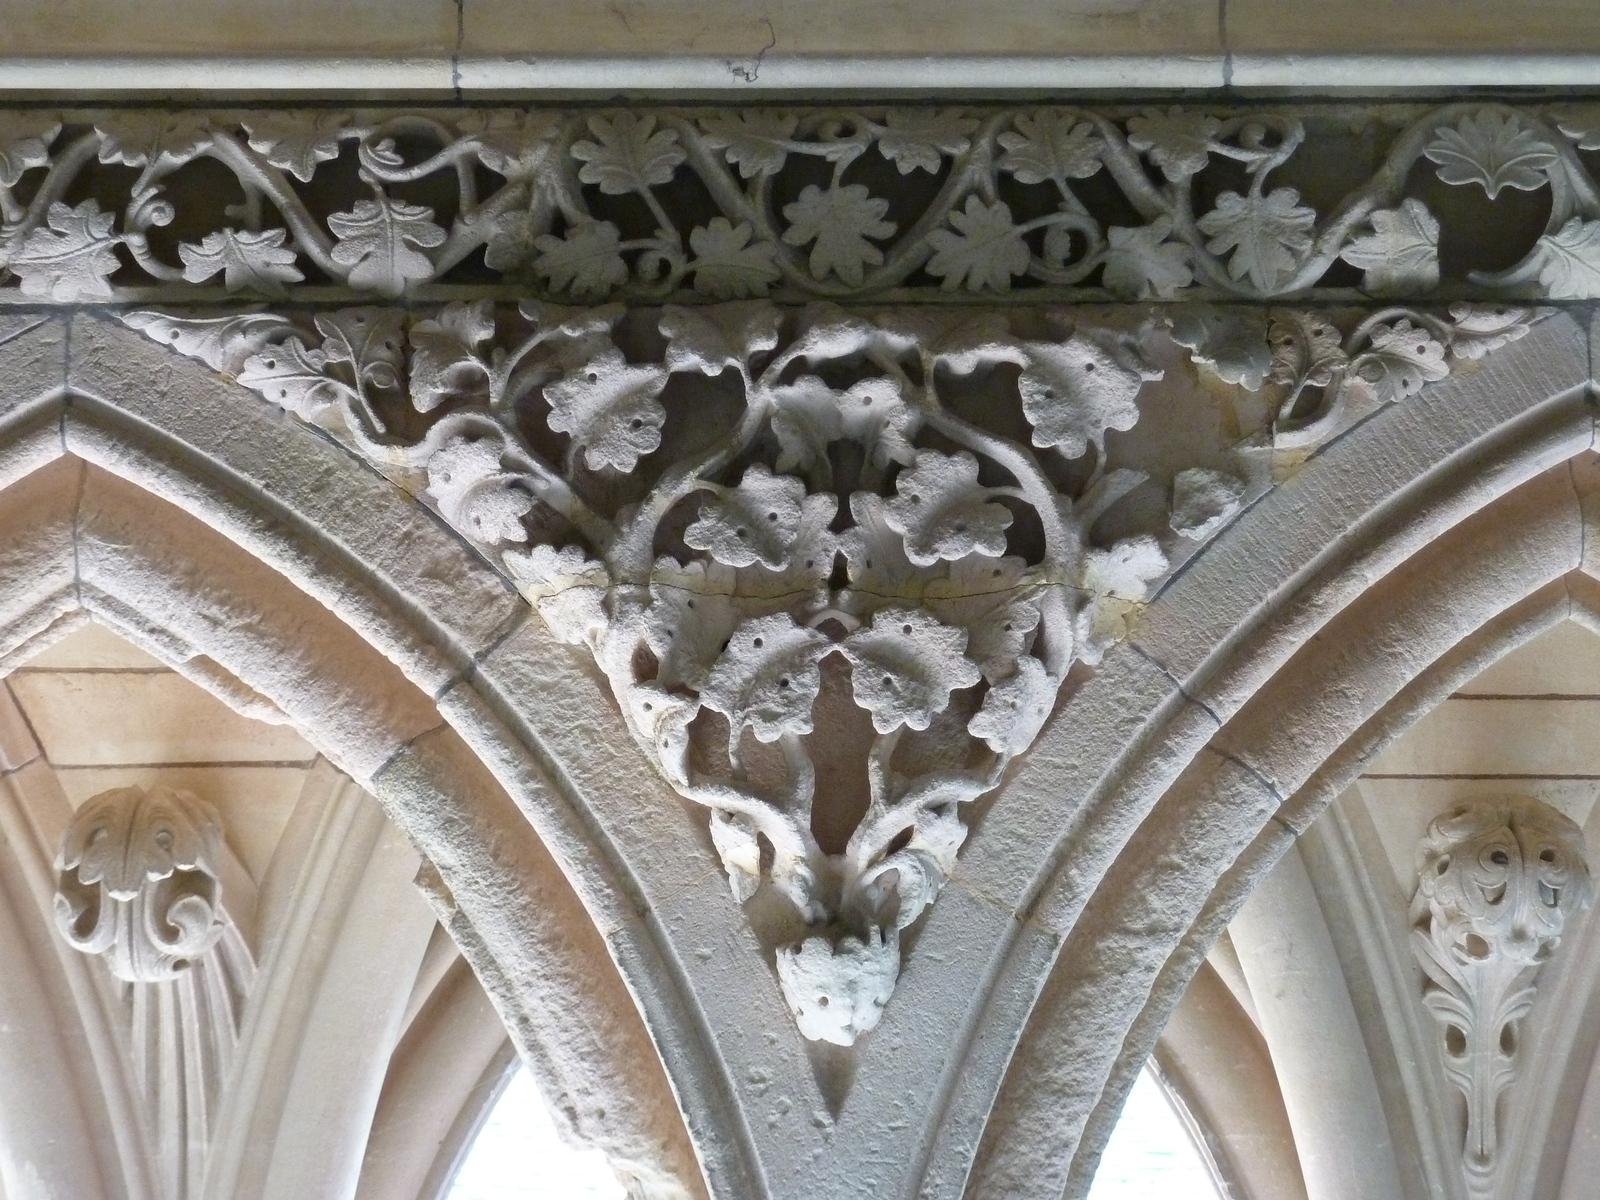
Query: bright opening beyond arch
<point x="518" y="1155"/>
<point x="1150" y="1154"/>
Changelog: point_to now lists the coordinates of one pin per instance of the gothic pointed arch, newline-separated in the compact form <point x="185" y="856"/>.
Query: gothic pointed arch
<point x="221" y="552"/>
<point x="1406" y="557"/>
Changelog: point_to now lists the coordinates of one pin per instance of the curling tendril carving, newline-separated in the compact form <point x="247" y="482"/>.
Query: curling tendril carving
<point x="646" y="205"/>
<point x="786" y="531"/>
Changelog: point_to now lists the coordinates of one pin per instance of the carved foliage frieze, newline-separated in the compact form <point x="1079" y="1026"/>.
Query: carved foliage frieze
<point x="648" y="204"/>
<point x="1497" y="883"/>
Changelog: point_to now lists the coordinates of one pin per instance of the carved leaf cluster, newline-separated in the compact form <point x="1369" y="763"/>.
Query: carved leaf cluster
<point x="840" y="516"/>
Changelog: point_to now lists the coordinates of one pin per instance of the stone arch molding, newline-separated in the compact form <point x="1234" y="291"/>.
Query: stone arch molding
<point x="766" y="1110"/>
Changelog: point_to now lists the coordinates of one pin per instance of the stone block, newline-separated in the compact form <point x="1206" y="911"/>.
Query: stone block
<point x="311" y="509"/>
<point x="144" y="562"/>
<point x="98" y="718"/>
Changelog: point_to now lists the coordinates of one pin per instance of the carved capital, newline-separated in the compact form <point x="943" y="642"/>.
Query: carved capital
<point x="137" y="881"/>
<point x="1497" y="883"/>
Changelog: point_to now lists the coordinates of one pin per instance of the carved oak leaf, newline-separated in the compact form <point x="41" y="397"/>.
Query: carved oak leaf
<point x="1581" y="123"/>
<point x="837" y="992"/>
<point x="802" y="584"/>
<point x="767" y="679"/>
<point x="829" y="332"/>
<point x="447" y="358"/>
<point x="587" y="261"/>
<point x="25" y="139"/>
<point x="510" y="142"/>
<point x="757" y="142"/>
<point x="962" y="340"/>
<point x="258" y="261"/>
<point x="1569" y="261"/>
<point x="1074" y="391"/>
<point x="380" y="242"/>
<point x="1142" y="264"/>
<point x="1015" y="709"/>
<point x="371" y="340"/>
<point x="1126" y="570"/>
<point x="904" y="666"/>
<point x="1478" y="329"/>
<point x="70" y="257"/>
<point x="1050" y="145"/>
<point x="222" y="343"/>
<point x="985" y="251"/>
<point x="663" y="718"/>
<point x="755" y="522"/>
<point x="1492" y="150"/>
<point x="719" y="336"/>
<point x="611" y="409"/>
<point x="839" y="221"/>
<point x="514" y="239"/>
<point x="630" y="155"/>
<point x="566" y="586"/>
<point x="1117" y="581"/>
<point x="990" y="599"/>
<point x="1268" y="235"/>
<point x="916" y="139"/>
<point x="1401" y="359"/>
<point x="1178" y="142"/>
<point x="808" y="414"/>
<point x="1233" y="344"/>
<point x="295" y="378"/>
<point x="1203" y="501"/>
<point x="875" y="555"/>
<point x="138" y="139"/>
<point x="1401" y="255"/>
<point x="727" y="264"/>
<point x="1306" y="350"/>
<point x="474" y="494"/>
<point x="734" y="836"/>
<point x="576" y="334"/>
<point x="691" y="617"/>
<point x="297" y="141"/>
<point x="943" y="512"/>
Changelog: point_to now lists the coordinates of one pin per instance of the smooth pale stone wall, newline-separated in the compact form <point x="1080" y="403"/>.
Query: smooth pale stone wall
<point x="462" y="46"/>
<point x="1310" y="1025"/>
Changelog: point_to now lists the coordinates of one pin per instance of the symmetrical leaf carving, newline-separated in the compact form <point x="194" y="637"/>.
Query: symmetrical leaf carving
<point x="1497" y="883"/>
<point x="774" y="526"/>
<point x="648" y="204"/>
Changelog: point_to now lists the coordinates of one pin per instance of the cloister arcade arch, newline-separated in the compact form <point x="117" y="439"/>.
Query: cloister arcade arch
<point x="1399" y="559"/>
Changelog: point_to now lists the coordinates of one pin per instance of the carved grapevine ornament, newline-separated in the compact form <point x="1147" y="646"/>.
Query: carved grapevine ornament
<point x="784" y="529"/>
<point x="648" y="205"/>
<point x="833" y="538"/>
<point x="1497" y="883"/>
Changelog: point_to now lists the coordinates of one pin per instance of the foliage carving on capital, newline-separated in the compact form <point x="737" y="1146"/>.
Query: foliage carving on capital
<point x="138" y="881"/>
<point x="1497" y="883"/>
<point x="836" y="564"/>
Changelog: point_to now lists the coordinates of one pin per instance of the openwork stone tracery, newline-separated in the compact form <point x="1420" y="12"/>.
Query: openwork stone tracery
<point x="836" y="564"/>
<point x="837" y="560"/>
<point x="1130" y="203"/>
